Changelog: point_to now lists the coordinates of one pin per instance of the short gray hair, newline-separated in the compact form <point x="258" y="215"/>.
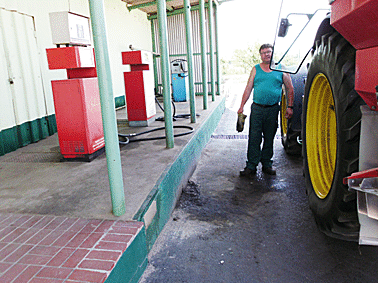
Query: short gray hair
<point x="264" y="46"/>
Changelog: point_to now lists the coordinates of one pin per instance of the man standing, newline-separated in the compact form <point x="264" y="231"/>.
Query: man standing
<point x="267" y="85"/>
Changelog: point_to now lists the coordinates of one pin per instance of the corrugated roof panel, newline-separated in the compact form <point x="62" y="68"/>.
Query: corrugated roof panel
<point x="149" y="6"/>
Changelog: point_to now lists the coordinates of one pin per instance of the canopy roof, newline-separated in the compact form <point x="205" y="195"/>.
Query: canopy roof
<point x="150" y="6"/>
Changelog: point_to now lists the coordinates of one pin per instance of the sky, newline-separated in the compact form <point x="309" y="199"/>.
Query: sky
<point x="244" y="22"/>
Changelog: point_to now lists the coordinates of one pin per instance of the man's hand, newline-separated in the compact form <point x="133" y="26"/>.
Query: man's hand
<point x="289" y="113"/>
<point x="241" y="109"/>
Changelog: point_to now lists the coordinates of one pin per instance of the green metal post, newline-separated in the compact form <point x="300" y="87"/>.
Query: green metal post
<point x="164" y="61"/>
<point x="154" y="56"/>
<point x="189" y="48"/>
<point x="211" y="39"/>
<point x="109" y="121"/>
<point x="217" y="48"/>
<point x="203" y="52"/>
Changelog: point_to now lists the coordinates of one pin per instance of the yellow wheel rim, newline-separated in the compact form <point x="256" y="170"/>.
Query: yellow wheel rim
<point x="321" y="135"/>
<point x="283" y="111"/>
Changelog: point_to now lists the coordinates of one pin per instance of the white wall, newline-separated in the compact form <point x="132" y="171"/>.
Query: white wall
<point x="123" y="28"/>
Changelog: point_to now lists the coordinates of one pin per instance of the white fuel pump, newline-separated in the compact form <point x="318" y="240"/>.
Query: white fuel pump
<point x="179" y="71"/>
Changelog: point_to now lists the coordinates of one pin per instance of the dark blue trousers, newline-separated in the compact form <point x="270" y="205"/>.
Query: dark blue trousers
<point x="263" y="123"/>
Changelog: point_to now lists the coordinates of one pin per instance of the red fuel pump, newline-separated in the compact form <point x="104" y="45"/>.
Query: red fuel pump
<point x="139" y="87"/>
<point x="77" y="103"/>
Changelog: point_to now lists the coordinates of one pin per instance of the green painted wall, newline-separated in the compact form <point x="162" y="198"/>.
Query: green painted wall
<point x="33" y="131"/>
<point x="26" y="133"/>
<point x="120" y="101"/>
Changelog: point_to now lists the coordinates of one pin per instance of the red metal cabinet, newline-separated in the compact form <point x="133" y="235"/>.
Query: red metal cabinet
<point x="77" y="103"/>
<point x="139" y="87"/>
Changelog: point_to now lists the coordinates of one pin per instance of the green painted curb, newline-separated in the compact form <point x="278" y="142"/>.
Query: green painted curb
<point x="132" y="263"/>
<point x="168" y="187"/>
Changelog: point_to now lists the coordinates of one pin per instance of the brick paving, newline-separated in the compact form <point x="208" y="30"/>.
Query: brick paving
<point x="54" y="249"/>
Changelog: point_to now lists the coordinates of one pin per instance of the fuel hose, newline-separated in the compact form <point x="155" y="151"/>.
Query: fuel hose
<point x="174" y="116"/>
<point x="128" y="138"/>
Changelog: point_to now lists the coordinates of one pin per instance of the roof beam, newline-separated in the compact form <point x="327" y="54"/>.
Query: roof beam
<point x="147" y="4"/>
<point x="178" y="11"/>
<point x="169" y="8"/>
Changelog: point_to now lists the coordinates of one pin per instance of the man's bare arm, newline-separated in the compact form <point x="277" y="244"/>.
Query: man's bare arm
<point x="290" y="95"/>
<point x="248" y="90"/>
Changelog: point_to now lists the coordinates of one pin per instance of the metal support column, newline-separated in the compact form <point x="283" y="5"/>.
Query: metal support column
<point x="211" y="40"/>
<point x="113" y="157"/>
<point x="164" y="61"/>
<point x="217" y="49"/>
<point x="154" y="56"/>
<point x="203" y="52"/>
<point x="189" y="48"/>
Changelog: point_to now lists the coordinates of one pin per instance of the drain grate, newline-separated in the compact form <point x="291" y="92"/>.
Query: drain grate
<point x="32" y="157"/>
<point x="230" y="137"/>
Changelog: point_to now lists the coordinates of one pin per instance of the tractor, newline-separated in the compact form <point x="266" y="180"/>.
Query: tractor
<point x="333" y="48"/>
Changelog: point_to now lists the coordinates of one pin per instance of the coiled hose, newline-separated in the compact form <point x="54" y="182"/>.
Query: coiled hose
<point x="127" y="137"/>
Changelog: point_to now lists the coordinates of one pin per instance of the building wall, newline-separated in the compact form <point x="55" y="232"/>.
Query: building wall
<point x="177" y="45"/>
<point x="29" y="114"/>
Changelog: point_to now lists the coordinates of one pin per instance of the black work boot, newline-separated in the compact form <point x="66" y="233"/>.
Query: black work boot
<point x="269" y="170"/>
<point x="247" y="172"/>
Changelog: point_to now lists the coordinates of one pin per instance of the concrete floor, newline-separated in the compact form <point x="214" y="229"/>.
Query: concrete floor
<point x="39" y="194"/>
<point x="56" y="221"/>
<point x="33" y="179"/>
<point x="231" y="229"/>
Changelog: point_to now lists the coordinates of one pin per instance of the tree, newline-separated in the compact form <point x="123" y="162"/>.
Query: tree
<point x="247" y="58"/>
<point x="243" y="60"/>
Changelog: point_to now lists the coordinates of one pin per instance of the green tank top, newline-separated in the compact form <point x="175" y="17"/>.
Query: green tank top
<point x="267" y="87"/>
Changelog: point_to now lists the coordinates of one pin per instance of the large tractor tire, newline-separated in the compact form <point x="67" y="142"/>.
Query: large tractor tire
<point x="291" y="128"/>
<point x="289" y="136"/>
<point x="331" y="134"/>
